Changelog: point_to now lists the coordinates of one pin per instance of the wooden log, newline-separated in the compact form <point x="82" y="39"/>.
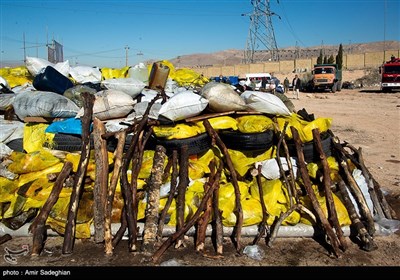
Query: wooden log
<point x="367" y="243"/>
<point x="290" y="182"/>
<point x="383" y="209"/>
<point x="359" y="197"/>
<point x="121" y="230"/>
<point x="218" y="230"/>
<point x="69" y="235"/>
<point x="182" y="185"/>
<point x="153" y="200"/>
<point x="108" y="247"/>
<point x="310" y="192"/>
<point x="237" y="230"/>
<point x="172" y="238"/>
<point x="38" y="226"/>
<point x="327" y="182"/>
<point x="263" y="227"/>
<point x="205" y="218"/>
<point x="278" y="221"/>
<point x="126" y="189"/>
<point x="6" y="237"/>
<point x="174" y="176"/>
<point x="101" y="180"/>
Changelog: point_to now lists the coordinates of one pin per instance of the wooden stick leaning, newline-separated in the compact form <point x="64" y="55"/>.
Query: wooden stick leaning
<point x="126" y="190"/>
<point x="153" y="200"/>
<point x="172" y="238"/>
<point x="263" y="227"/>
<point x="383" y="209"/>
<point x="205" y="218"/>
<point x="108" y="246"/>
<point x="69" y="235"/>
<point x="358" y="196"/>
<point x="218" y="230"/>
<point x="38" y="226"/>
<point x="182" y="185"/>
<point x="237" y="231"/>
<point x="171" y="194"/>
<point x="367" y="243"/>
<point x="332" y="214"/>
<point x="101" y="180"/>
<point x="310" y="192"/>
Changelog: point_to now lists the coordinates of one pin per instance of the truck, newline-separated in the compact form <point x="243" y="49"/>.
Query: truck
<point x="390" y="75"/>
<point x="326" y="76"/>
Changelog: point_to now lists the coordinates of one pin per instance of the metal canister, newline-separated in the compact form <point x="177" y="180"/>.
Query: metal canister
<point x="158" y="76"/>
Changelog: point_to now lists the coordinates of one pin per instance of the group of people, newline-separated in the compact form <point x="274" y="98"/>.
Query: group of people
<point x="272" y="85"/>
<point x="296" y="83"/>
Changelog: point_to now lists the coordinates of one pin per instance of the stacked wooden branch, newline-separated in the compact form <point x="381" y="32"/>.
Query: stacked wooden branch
<point x="208" y="210"/>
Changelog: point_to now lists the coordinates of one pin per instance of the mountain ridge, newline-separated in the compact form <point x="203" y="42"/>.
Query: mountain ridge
<point x="233" y="56"/>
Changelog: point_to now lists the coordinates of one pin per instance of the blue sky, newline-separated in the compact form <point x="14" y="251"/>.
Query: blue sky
<point x="97" y="33"/>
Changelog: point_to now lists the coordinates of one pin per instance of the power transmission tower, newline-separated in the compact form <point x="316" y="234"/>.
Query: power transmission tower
<point x="261" y="35"/>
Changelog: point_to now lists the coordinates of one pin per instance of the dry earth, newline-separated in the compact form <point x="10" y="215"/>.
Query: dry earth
<point x="366" y="118"/>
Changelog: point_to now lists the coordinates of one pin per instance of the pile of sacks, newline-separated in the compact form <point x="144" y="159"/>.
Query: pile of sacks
<point x="121" y="97"/>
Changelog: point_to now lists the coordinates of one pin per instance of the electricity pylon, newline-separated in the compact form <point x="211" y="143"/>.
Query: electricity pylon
<point x="261" y="35"/>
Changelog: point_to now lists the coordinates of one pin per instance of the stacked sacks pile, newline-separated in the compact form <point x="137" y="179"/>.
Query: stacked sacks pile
<point x="251" y="113"/>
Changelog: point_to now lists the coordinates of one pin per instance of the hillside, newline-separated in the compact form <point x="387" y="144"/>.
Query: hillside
<point x="232" y="56"/>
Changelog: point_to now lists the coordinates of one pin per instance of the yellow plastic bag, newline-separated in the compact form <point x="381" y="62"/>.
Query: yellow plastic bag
<point x="198" y="167"/>
<point x="35" y="136"/>
<point x="218" y="123"/>
<point x="243" y="160"/>
<point x="31" y="162"/>
<point x="58" y="216"/>
<point x="341" y="210"/>
<point x="178" y="131"/>
<point x="189" y="77"/>
<point x="303" y="127"/>
<point x="114" y="73"/>
<point x="254" y="123"/>
<point x="252" y="213"/>
<point x="28" y="177"/>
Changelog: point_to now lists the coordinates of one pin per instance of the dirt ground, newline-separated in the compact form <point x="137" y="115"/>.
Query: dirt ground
<point x="365" y="118"/>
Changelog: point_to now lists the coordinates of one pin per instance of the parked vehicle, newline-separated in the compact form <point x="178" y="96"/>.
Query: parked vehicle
<point x="256" y="78"/>
<point x="390" y="74"/>
<point x="326" y="76"/>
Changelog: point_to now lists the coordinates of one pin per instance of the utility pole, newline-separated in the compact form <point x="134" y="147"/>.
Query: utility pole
<point x="24" y="48"/>
<point x="261" y="35"/>
<point x="126" y="55"/>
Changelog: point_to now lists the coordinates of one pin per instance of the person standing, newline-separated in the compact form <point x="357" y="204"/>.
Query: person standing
<point x="286" y="85"/>
<point x="296" y="86"/>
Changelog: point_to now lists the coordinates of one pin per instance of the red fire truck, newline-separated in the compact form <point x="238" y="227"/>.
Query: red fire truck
<point x="390" y="75"/>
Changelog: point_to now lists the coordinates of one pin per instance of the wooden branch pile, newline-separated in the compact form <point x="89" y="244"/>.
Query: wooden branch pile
<point x="208" y="210"/>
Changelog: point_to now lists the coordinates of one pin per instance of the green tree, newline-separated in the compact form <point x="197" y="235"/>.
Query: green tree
<point x="325" y="59"/>
<point x="339" y="57"/>
<point x="320" y="57"/>
<point x="331" y="59"/>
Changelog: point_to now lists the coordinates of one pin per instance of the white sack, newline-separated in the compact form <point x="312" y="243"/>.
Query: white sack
<point x="4" y="82"/>
<point x="110" y="104"/>
<point x="183" y="105"/>
<point x="85" y="74"/>
<point x="43" y="104"/>
<point x="265" y="102"/>
<point x="270" y="167"/>
<point x="222" y="97"/>
<point x="140" y="72"/>
<point x="6" y="99"/>
<point x="10" y="130"/>
<point x="131" y="86"/>
<point x="35" y="65"/>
